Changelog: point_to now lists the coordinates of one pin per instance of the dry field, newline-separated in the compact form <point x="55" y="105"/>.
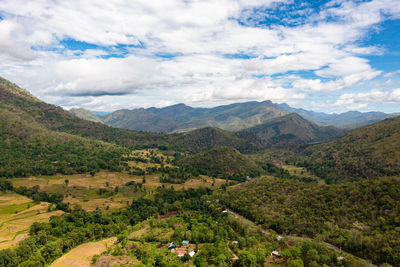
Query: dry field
<point x="82" y="255"/>
<point x="17" y="214"/>
<point x="82" y="189"/>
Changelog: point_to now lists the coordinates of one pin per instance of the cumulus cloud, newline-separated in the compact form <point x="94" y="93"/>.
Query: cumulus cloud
<point x="360" y="100"/>
<point x="184" y="51"/>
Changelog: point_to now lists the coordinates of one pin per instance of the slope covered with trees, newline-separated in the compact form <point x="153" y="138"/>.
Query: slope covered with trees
<point x="55" y="118"/>
<point x="207" y="138"/>
<point x="369" y="152"/>
<point x="360" y="217"/>
<point x="224" y="162"/>
<point x="38" y="138"/>
<point x="288" y="131"/>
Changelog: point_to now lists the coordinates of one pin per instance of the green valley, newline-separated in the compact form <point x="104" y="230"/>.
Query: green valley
<point x="276" y="191"/>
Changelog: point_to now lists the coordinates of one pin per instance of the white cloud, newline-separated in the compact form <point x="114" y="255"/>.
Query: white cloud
<point x="10" y="43"/>
<point x="201" y="32"/>
<point x="361" y="100"/>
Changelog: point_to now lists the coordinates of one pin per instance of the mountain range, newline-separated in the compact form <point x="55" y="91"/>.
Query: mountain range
<point x="353" y="204"/>
<point x="233" y="117"/>
<point x="36" y="135"/>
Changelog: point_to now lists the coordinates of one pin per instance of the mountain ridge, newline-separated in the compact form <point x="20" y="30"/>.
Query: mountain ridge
<point x="233" y="117"/>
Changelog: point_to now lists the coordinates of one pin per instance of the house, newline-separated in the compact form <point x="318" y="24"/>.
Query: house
<point x="185" y="243"/>
<point x="171" y="246"/>
<point x="234" y="258"/>
<point x="275" y="254"/>
<point x="191" y="253"/>
<point x="180" y="252"/>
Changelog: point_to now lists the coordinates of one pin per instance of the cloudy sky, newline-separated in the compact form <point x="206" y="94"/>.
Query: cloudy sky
<point x="104" y="55"/>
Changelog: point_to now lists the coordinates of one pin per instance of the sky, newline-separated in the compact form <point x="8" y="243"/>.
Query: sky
<point x="104" y="55"/>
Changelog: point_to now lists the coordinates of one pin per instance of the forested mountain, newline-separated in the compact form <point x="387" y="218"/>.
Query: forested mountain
<point x="360" y="217"/>
<point x="29" y="148"/>
<point x="224" y="162"/>
<point x="55" y="118"/>
<point x="369" y="152"/>
<point x="207" y="138"/>
<point x="289" y="130"/>
<point x="140" y="120"/>
<point x="38" y="138"/>
<point x="234" y="117"/>
<point x="184" y="118"/>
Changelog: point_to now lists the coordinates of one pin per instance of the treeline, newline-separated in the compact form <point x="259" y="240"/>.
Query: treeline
<point x="360" y="217"/>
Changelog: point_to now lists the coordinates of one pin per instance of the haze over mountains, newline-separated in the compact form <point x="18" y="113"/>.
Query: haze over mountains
<point x="238" y="116"/>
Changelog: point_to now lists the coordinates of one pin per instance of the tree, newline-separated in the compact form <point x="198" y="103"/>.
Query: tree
<point x="246" y="259"/>
<point x="260" y="255"/>
<point x="296" y="263"/>
<point x="66" y="182"/>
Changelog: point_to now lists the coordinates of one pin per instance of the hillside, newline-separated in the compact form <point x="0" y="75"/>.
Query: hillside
<point x="38" y="138"/>
<point x="139" y="120"/>
<point x="360" y="217"/>
<point x="27" y="148"/>
<point x="369" y="152"/>
<point x="55" y="118"/>
<point x="288" y="131"/>
<point x="225" y="162"/>
<point x="85" y="114"/>
<point x="207" y="138"/>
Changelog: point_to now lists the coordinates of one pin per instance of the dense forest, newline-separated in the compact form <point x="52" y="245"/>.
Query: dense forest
<point x="368" y="152"/>
<point x="361" y="217"/>
<point x="223" y="162"/>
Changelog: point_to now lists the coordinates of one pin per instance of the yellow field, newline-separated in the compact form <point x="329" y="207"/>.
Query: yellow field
<point x="17" y="214"/>
<point x="82" y="255"/>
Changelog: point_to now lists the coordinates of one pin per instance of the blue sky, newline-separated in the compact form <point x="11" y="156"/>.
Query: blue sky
<point x="330" y="56"/>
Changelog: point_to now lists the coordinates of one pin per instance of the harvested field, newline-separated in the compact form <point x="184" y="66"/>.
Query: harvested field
<point x="17" y="214"/>
<point x="82" y="255"/>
